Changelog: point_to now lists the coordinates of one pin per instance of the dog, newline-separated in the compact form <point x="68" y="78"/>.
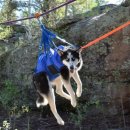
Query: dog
<point x="71" y="60"/>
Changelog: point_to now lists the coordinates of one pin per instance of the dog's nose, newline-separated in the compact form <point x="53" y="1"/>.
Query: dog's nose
<point x="71" y="67"/>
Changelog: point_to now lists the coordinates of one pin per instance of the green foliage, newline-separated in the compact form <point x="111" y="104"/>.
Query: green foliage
<point x="8" y="95"/>
<point x="81" y="111"/>
<point x="9" y="8"/>
<point x="11" y="98"/>
<point x="5" y="32"/>
<point x="5" y="126"/>
<point x="101" y="2"/>
<point x="7" y="13"/>
<point x="13" y="102"/>
<point x="116" y="74"/>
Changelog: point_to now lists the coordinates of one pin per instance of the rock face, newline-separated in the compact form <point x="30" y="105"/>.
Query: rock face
<point x="89" y="14"/>
<point x="106" y="70"/>
<point x="106" y="64"/>
<point x="14" y="59"/>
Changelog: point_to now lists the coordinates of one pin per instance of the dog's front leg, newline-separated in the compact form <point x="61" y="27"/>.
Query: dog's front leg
<point x="66" y="81"/>
<point x="79" y="84"/>
<point x="59" y="89"/>
<point x="69" y="89"/>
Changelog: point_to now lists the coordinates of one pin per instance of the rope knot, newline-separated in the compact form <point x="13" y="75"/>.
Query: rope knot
<point x="37" y="15"/>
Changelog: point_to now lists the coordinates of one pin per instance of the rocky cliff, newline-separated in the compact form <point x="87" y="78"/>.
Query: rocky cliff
<point x="107" y="64"/>
<point x="106" y="70"/>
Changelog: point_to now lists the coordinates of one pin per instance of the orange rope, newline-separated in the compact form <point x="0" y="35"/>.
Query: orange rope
<point x="106" y="35"/>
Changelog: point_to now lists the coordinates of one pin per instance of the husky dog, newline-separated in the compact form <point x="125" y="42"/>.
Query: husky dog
<point x="71" y="61"/>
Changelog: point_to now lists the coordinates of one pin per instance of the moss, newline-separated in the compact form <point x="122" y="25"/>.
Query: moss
<point x="6" y="32"/>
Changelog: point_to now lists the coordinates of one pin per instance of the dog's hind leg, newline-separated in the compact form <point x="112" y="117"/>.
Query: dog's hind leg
<point x="41" y="84"/>
<point x="59" y="89"/>
<point x="51" y="101"/>
<point x="79" y="84"/>
<point x="41" y="100"/>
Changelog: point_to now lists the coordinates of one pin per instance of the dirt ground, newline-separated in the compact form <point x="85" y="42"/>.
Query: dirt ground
<point x="39" y="121"/>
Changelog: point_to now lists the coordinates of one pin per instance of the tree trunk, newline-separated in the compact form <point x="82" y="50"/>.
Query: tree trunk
<point x="66" y="9"/>
<point x="29" y="12"/>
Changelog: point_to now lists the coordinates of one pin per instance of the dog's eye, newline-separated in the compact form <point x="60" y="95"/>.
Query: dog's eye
<point x="73" y="59"/>
<point x="68" y="59"/>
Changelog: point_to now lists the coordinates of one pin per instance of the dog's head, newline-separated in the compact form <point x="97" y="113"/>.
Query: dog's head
<point x="71" y="57"/>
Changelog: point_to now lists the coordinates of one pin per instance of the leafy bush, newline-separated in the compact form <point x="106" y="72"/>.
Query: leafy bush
<point x="9" y="95"/>
<point x="11" y="98"/>
<point x="81" y="111"/>
<point x="5" y="32"/>
<point x="14" y="103"/>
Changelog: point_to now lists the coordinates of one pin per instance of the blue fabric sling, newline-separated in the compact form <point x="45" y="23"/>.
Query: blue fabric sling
<point x="50" y="64"/>
<point x="49" y="61"/>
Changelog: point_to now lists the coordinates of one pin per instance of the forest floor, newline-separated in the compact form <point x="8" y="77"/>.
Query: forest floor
<point x="37" y="121"/>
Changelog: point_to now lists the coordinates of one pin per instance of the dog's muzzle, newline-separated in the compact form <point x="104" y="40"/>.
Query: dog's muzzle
<point x="71" y="69"/>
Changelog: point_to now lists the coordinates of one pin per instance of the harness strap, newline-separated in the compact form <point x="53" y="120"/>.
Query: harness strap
<point x="64" y="41"/>
<point x="47" y="40"/>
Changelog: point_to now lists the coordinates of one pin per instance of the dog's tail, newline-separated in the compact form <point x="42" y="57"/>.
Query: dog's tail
<point x="41" y="100"/>
<point x="41" y="84"/>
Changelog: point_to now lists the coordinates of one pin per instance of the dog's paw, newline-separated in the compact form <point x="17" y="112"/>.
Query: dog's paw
<point x="73" y="103"/>
<point x="60" y="122"/>
<point x="38" y="105"/>
<point x="78" y="93"/>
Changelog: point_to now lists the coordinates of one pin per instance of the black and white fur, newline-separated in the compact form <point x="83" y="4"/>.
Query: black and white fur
<point x="72" y="60"/>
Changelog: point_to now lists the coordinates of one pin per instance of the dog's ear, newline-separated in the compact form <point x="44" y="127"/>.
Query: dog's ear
<point x="60" y="52"/>
<point x="79" y="49"/>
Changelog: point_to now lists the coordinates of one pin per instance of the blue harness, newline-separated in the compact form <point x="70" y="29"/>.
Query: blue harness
<point x="50" y="64"/>
<point x="49" y="61"/>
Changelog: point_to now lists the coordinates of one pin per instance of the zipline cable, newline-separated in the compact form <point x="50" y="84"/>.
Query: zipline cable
<point x="45" y="13"/>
